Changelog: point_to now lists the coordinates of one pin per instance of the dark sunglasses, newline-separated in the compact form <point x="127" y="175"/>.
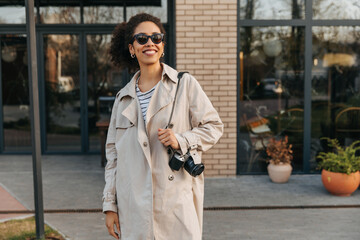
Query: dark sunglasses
<point x="142" y="38"/>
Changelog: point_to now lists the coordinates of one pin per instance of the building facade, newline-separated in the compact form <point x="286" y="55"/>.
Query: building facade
<point x="271" y="68"/>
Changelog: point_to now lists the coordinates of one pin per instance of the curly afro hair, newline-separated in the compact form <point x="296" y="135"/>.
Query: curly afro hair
<point x="121" y="38"/>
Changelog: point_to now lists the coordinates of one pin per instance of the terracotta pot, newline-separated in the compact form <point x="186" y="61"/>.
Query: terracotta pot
<point x="340" y="184"/>
<point x="279" y="173"/>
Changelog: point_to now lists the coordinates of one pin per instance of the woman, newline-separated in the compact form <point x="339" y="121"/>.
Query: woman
<point x="143" y="197"/>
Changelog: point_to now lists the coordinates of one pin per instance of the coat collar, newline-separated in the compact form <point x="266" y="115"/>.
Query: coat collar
<point x="163" y="95"/>
<point x="168" y="73"/>
<point x="129" y="89"/>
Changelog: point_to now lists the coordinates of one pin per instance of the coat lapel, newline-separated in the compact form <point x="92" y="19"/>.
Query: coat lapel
<point x="133" y="113"/>
<point x="160" y="99"/>
<point x="142" y="135"/>
<point x="164" y="93"/>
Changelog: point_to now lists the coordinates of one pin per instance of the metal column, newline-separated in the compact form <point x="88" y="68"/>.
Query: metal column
<point x="307" y="86"/>
<point x="1" y="109"/>
<point x="35" y="118"/>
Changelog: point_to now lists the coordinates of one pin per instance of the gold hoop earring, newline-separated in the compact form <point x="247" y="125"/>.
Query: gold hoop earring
<point x="132" y="55"/>
<point x="163" y="54"/>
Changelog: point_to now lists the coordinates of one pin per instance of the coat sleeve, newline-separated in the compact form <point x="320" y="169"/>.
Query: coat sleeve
<point x="207" y="127"/>
<point x="109" y="194"/>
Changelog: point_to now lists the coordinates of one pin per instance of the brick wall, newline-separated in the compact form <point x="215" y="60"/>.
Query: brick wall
<point x="206" y="47"/>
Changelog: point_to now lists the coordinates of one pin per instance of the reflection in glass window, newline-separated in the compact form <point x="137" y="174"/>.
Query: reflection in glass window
<point x="104" y="81"/>
<point x="103" y="14"/>
<point x="335" y="86"/>
<point x="160" y="12"/>
<point x="334" y="9"/>
<point x="275" y="9"/>
<point x="15" y="93"/>
<point x="62" y="92"/>
<point x="12" y="13"/>
<point x="63" y="14"/>
<point x="271" y="92"/>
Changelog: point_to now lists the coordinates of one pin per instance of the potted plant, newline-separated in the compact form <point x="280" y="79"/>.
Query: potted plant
<point x="340" y="168"/>
<point x="280" y="156"/>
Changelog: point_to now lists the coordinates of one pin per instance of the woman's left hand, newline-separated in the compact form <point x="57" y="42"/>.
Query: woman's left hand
<point x="167" y="138"/>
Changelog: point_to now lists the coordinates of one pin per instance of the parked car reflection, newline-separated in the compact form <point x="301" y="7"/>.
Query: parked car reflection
<point x="268" y="88"/>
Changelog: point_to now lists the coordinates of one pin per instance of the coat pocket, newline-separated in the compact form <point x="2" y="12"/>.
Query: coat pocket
<point x="125" y="125"/>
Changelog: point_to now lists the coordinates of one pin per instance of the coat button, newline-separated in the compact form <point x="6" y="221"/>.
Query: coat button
<point x="171" y="177"/>
<point x="145" y="144"/>
<point x="171" y="125"/>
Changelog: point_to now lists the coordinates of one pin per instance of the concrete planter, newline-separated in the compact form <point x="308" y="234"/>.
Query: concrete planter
<point x="279" y="173"/>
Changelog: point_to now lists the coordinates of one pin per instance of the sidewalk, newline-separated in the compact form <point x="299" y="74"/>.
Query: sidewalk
<point x="307" y="210"/>
<point x="9" y="203"/>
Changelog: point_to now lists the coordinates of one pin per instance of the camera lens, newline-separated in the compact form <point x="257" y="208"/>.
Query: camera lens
<point x="192" y="168"/>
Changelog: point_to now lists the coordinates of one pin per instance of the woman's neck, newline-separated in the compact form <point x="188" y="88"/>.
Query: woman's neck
<point x="150" y="75"/>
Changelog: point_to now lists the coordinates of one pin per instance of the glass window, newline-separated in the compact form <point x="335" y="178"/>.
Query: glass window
<point x="104" y="81"/>
<point x="160" y="12"/>
<point x="15" y="93"/>
<point x="12" y="13"/>
<point x="335" y="86"/>
<point x="275" y="9"/>
<point x="271" y="93"/>
<point x="103" y="14"/>
<point x="59" y="14"/>
<point x="62" y="92"/>
<point x="329" y="9"/>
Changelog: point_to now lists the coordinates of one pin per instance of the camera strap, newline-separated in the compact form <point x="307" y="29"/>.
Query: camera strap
<point x="180" y="74"/>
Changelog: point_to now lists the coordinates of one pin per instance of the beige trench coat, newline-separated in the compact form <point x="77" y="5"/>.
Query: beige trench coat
<point x="153" y="201"/>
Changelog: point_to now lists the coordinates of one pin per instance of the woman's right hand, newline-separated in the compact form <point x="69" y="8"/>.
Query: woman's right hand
<point x="111" y="219"/>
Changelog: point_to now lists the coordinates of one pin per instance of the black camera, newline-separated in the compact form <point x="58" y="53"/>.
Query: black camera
<point x="177" y="161"/>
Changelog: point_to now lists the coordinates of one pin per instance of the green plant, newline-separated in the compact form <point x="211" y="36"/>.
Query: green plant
<point x="342" y="159"/>
<point x="279" y="151"/>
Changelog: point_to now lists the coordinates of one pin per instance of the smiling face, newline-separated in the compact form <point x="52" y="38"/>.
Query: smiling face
<point x="149" y="53"/>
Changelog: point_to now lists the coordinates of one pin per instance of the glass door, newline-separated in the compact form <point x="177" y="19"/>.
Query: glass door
<point x="61" y="67"/>
<point x="14" y="101"/>
<point x="103" y="82"/>
<point x="74" y="103"/>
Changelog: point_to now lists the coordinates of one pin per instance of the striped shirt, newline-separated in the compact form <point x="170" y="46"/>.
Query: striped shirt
<point x="144" y="98"/>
